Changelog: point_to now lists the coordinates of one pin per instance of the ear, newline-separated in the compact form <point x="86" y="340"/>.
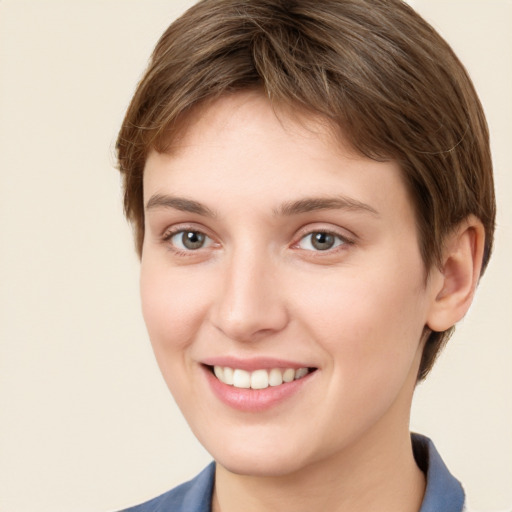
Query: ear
<point x="455" y="282"/>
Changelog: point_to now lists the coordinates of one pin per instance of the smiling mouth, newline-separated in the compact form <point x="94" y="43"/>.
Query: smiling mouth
<point x="258" y="379"/>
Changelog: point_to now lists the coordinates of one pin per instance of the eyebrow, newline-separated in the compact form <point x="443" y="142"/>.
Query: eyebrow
<point x="287" y="209"/>
<point x="178" y="203"/>
<point x="324" y="203"/>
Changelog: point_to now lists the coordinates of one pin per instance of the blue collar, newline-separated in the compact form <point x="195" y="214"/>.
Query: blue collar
<point x="443" y="492"/>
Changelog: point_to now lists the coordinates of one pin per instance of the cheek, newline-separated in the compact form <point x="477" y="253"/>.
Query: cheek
<point x="173" y="306"/>
<point x="370" y="331"/>
<point x="372" y="322"/>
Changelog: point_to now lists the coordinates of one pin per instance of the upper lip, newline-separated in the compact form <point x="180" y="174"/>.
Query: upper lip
<point x="253" y="363"/>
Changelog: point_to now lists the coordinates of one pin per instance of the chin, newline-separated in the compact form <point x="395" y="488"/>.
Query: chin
<point x="258" y="465"/>
<point x="263" y="459"/>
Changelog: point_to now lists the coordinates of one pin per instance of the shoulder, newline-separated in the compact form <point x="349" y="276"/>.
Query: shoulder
<point x="192" y="496"/>
<point x="443" y="491"/>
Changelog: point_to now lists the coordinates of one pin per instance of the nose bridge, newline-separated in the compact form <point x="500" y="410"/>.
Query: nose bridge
<point x="249" y="303"/>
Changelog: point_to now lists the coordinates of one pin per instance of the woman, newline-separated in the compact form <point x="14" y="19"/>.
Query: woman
<point x="311" y="190"/>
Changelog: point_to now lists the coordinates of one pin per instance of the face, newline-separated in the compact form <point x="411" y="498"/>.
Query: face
<point x="282" y="288"/>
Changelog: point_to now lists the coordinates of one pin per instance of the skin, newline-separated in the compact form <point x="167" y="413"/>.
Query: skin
<point x="258" y="287"/>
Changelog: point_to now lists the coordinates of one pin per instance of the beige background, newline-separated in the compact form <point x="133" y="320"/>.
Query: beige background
<point x="86" y="423"/>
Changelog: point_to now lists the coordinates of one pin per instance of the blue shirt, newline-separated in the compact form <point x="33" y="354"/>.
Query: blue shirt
<point x="443" y="493"/>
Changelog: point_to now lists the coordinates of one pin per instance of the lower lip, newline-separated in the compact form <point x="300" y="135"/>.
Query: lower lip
<point x="254" y="400"/>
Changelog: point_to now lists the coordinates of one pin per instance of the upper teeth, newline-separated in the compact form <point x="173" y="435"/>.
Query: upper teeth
<point x="258" y="379"/>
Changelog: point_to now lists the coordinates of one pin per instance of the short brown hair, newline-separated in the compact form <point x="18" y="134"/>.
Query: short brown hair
<point x="373" y="68"/>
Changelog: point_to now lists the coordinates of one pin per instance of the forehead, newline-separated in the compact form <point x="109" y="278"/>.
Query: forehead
<point x="248" y="111"/>
<point x="243" y="146"/>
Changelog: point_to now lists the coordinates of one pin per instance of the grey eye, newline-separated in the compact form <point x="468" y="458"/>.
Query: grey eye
<point x="190" y="240"/>
<point x="320" y="241"/>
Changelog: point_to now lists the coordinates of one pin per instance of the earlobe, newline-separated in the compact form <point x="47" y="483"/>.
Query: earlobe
<point x="458" y="277"/>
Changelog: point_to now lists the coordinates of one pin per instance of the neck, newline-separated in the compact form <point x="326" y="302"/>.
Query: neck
<point x="384" y="478"/>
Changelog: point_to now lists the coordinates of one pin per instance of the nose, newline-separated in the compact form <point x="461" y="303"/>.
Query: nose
<point x="250" y="302"/>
